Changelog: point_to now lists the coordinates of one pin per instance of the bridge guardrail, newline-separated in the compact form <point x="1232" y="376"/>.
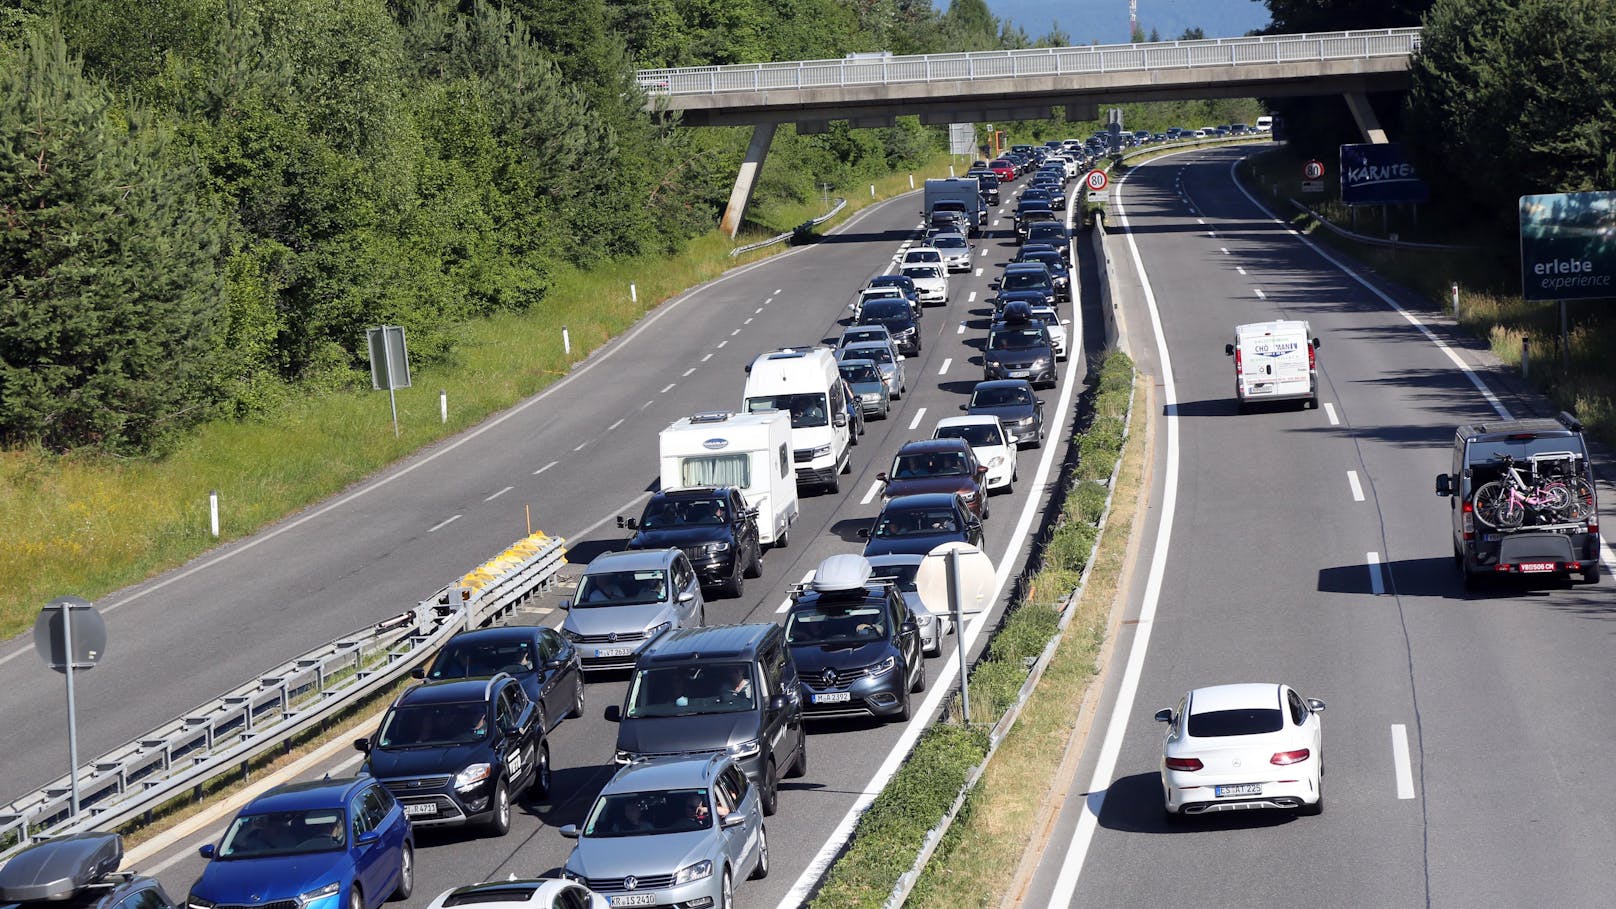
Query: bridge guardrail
<point x="225" y="734"/>
<point x="1057" y="61"/>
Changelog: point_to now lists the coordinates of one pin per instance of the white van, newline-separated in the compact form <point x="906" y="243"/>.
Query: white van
<point x="1274" y="361"/>
<point x="1265" y="123"/>
<point x="805" y="383"/>
<point x="750" y="451"/>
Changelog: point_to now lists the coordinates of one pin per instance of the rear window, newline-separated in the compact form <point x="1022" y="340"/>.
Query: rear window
<point x="886" y="308"/>
<point x="1253" y="721"/>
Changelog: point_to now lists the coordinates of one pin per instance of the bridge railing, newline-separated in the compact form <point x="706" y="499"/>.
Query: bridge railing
<point x="1056" y="61"/>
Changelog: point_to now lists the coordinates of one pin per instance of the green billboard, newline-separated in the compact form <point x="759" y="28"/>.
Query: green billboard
<point x="1568" y="246"/>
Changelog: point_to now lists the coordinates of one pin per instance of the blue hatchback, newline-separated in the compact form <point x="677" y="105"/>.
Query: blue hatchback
<point x="327" y="844"/>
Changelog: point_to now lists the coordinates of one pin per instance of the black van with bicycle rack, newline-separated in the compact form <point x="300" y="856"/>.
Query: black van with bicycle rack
<point x="1523" y="500"/>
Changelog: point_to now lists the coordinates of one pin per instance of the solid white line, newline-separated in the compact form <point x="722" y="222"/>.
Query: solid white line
<point x="971" y="297"/>
<point x="545" y="467"/>
<point x="1405" y="771"/>
<point x="869" y="497"/>
<point x="498" y="494"/>
<point x="688" y="372"/>
<point x="620" y="421"/>
<point x="947" y="362"/>
<point x="666" y="388"/>
<point x="1259" y="293"/>
<point x="1240" y="269"/>
<point x="1357" y="490"/>
<point x="919" y="415"/>
<point x="442" y="524"/>
<point x="961" y="329"/>
<point x="1122" y="712"/>
<point x="1329" y="411"/>
<point x="786" y="603"/>
<point x="706" y="357"/>
<point x="1377" y="583"/>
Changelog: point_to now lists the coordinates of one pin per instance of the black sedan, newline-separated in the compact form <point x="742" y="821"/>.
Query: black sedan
<point x="920" y="523"/>
<point x="543" y="661"/>
<point x="1013" y="402"/>
<point x="899" y="319"/>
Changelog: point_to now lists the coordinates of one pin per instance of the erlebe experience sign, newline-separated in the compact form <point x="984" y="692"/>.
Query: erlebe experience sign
<point x="1568" y="246"/>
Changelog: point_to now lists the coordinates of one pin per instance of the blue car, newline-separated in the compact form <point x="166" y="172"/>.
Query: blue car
<point x="326" y="844"/>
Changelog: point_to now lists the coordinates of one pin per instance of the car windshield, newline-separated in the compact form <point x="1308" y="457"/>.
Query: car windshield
<point x="1025" y="280"/>
<point x="880" y="293"/>
<point x="1250" y="721"/>
<point x="1048" y="260"/>
<point x="922" y="255"/>
<point x="881" y="354"/>
<point x="922" y="271"/>
<point x="649" y="813"/>
<point x="950" y="243"/>
<point x="896" y="308"/>
<point x="1000" y="397"/>
<point x="476" y="659"/>
<point x="864" y="333"/>
<point x="1046" y="231"/>
<point x="929" y="464"/>
<point x="690" y="690"/>
<point x="434" y="725"/>
<point x="806" y="409"/>
<point x="916" y="522"/>
<point x="861" y="373"/>
<point x="853" y="625"/>
<point x="285" y="833"/>
<point x="892" y="281"/>
<point x="1017" y="339"/>
<point x="622" y="588"/>
<point x="976" y="435"/>
<point x="685" y="512"/>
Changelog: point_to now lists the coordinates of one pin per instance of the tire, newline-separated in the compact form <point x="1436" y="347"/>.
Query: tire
<point x="920" y="678"/>
<point x="578" y="700"/>
<point x="499" y="823"/>
<point x="406" y="874"/>
<point x="1495" y="507"/>
<point x="835" y="484"/>
<point x="762" y="870"/>
<point x="1591" y="576"/>
<point x="356" y="900"/>
<point x="1311" y="403"/>
<point x="782" y="539"/>
<point x="726" y="894"/>
<point x="754" y="567"/>
<point x="736" y="585"/>
<point x="1317" y="808"/>
<point x="908" y="710"/>
<point x="770" y="796"/>
<point x="540" y="787"/>
<point x="799" y="767"/>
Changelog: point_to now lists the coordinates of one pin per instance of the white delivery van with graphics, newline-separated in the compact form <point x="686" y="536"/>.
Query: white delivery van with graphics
<point x="806" y="383"/>
<point x="750" y="451"/>
<point x="1274" y="361"/>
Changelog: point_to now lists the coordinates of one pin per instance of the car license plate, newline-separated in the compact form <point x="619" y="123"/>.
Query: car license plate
<point x="1537" y="566"/>
<point x="634" y="899"/>
<point x="834" y="697"/>
<point x="613" y="651"/>
<point x="420" y="809"/>
<point x="1018" y="373"/>
<point x="1238" y="789"/>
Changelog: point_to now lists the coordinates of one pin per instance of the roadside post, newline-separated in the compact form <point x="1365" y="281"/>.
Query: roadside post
<point x="70" y="635"/>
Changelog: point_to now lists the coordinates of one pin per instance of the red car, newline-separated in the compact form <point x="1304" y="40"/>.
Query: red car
<point x="938" y="466"/>
<point x="1003" y="168"/>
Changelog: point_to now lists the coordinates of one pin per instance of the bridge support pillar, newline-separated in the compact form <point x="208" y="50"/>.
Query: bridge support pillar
<point x="741" y="194"/>
<point x="1364" y="115"/>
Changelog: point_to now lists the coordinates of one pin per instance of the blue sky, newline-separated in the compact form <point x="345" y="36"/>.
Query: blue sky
<point x="1106" y="21"/>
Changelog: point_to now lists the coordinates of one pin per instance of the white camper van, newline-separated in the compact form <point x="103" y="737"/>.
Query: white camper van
<point x="1274" y="361"/>
<point x="805" y="383"/>
<point x="750" y="451"/>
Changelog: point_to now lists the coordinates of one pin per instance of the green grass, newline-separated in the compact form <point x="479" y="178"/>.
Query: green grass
<point x="89" y="524"/>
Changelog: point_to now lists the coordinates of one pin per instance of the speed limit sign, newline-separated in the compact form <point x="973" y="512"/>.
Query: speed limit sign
<point x="1096" y="180"/>
<point x="1313" y="170"/>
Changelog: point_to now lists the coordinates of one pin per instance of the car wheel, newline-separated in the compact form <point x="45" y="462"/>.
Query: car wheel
<point x="726" y="894"/>
<point x="541" y="776"/>
<point x="936" y="648"/>
<point x="736" y="585"/>
<point x="578" y="700"/>
<point x="762" y="870"/>
<point x="908" y="707"/>
<point x="754" y="568"/>
<point x="499" y="823"/>
<point x="782" y="539"/>
<point x="1591" y="575"/>
<point x="1317" y="808"/>
<point x="799" y="767"/>
<point x="771" y="788"/>
<point x="356" y="900"/>
<point x="920" y="678"/>
<point x="406" y="874"/>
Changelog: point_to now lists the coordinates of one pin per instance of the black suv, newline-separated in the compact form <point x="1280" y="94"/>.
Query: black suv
<point x="856" y="646"/>
<point x="899" y="320"/>
<point x="541" y="659"/>
<point x="714" y="527"/>
<point x="458" y="752"/>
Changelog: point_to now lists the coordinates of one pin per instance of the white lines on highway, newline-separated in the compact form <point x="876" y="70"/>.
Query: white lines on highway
<point x="581" y="445"/>
<point x="983" y="252"/>
<point x="947" y="362"/>
<point x="919" y="415"/>
<point x="777" y="292"/>
<point x="1357" y="489"/>
<point x="961" y="329"/>
<point x="1329" y="411"/>
<point x="979" y="272"/>
<point x="995" y="222"/>
<point x="1240" y="269"/>
<point x="1200" y="220"/>
<point x="688" y="372"/>
<point x="748" y="321"/>
<point x="620" y="421"/>
<point x="1224" y="250"/>
<point x="971" y="297"/>
<point x="1259" y="293"/>
<point x="545" y="467"/>
<point x="706" y="358"/>
<point x="720" y="344"/>
<point x="1400" y="761"/>
<point x="735" y="332"/>
<point x="646" y="405"/>
<point x="1377" y="583"/>
<point x="498" y="494"/>
<point x="667" y="388"/>
<point x="442" y="524"/>
<point x="769" y="300"/>
<point x="869" y="497"/>
<point x="758" y="311"/>
<point x="787" y="604"/>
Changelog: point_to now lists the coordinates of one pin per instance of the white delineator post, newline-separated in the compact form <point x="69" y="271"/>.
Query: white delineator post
<point x="213" y="511"/>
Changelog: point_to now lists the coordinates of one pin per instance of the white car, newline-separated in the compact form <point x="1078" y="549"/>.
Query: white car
<point x="1056" y="326"/>
<point x="520" y="893"/>
<point x="931" y="281"/>
<point x="1240" y="747"/>
<point x="956" y="251"/>
<point x="992" y="446"/>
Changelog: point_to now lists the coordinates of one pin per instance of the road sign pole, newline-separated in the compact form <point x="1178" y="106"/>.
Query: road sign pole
<point x="1565" y="340"/>
<point x="72" y="708"/>
<point x="392" y="396"/>
<point x="957" y="609"/>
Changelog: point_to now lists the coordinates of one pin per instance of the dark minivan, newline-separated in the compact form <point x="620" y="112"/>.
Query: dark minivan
<point x="729" y="688"/>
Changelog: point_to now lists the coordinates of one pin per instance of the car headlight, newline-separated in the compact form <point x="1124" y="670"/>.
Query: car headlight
<point x="905" y="333"/>
<point x="1024" y="421"/>
<point x="718" y="547"/>
<point x="968" y="496"/>
<point x="819" y="451"/>
<point x="197" y="902"/>
<point x="883" y="667"/>
<point x="746" y="749"/>
<point x="571" y="635"/>
<point x="1040" y="362"/>
<point x="312" y="896"/>
<point x="657" y="629"/>
<point x="696" y="872"/>
<point x="996" y="460"/>
<point x="574" y="876"/>
<point x="472" y="775"/>
<point x="924" y="619"/>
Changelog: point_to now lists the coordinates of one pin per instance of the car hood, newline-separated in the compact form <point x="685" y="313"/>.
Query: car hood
<point x="1016" y="354"/>
<point x="385" y="763"/>
<point x="621" y="619"/>
<point x="267" y="880"/>
<point x="678" y="734"/>
<point x="1008" y="413"/>
<point x="642" y="856"/>
<point x="812" y="659"/>
<point x="918" y="485"/>
<point x="679" y="537"/>
<point x="867" y="388"/>
<point x="919" y="544"/>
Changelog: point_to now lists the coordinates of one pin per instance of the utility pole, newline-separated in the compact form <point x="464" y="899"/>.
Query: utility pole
<point x="1133" y="17"/>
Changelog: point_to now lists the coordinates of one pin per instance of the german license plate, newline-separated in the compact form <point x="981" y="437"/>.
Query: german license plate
<point x="1238" y="789"/>
<point x="1018" y="373"/>
<point x="614" y="652"/>
<point x="835" y="697"/>
<point x="634" y="899"/>
<point x="1537" y="567"/>
<point x="420" y="809"/>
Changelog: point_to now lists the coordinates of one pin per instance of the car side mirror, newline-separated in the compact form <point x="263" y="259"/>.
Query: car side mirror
<point x="864" y="533"/>
<point x="901" y="358"/>
<point x="1315" y="705"/>
<point x="733" y="819"/>
<point x="1228" y="350"/>
<point x="368" y="837"/>
<point x="839" y="420"/>
<point x="566" y="603"/>
<point x="911" y="627"/>
<point x="206" y="850"/>
<point x="570" y="831"/>
<point x="686" y="597"/>
<point x="777" y="703"/>
<point x="362" y="746"/>
<point x="418" y="672"/>
<point x="628" y="523"/>
<point x="1444" y="484"/>
<point x="993" y="285"/>
<point x="882" y="476"/>
<point x="1315" y="343"/>
<point x="965" y="407"/>
<point x="1164" y="715"/>
<point x="613" y="713"/>
<point x="981" y="469"/>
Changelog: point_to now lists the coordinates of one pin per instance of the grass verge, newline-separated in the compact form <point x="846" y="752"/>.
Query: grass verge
<point x="890" y="833"/>
<point x="89" y="524"/>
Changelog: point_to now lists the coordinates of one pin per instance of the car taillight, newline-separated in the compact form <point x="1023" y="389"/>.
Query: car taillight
<point x="1190" y="764"/>
<point x="1311" y="362"/>
<point x="1290" y="757"/>
<point x="1467" y="511"/>
<point x="1238" y="369"/>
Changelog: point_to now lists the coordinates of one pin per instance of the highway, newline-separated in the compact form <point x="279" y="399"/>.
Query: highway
<point x="581" y="454"/>
<point x="1307" y="547"/>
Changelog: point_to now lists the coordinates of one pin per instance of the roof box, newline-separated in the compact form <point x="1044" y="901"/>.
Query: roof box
<point x="842" y="572"/>
<point x="58" y="868"/>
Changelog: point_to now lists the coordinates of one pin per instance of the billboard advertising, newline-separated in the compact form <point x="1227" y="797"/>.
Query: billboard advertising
<point x="1568" y="246"/>
<point x="1378" y="175"/>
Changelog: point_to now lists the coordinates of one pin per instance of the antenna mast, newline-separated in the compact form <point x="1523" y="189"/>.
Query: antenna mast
<point x="1133" y="18"/>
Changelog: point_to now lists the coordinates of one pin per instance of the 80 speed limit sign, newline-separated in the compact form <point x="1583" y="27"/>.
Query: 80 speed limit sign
<point x="1096" y="180"/>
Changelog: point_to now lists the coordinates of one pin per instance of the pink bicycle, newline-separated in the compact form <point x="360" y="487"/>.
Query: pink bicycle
<point x="1505" y="504"/>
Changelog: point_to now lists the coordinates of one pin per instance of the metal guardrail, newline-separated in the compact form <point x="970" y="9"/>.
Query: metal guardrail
<point x="1057" y="61"/>
<point x="225" y="734"/>
<point x="781" y="238"/>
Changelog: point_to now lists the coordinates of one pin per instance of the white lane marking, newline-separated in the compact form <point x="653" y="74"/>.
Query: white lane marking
<point x="498" y="494"/>
<point x="768" y="301"/>
<point x="688" y="372"/>
<point x="1240" y="269"/>
<point x="777" y="292"/>
<point x="971" y="297"/>
<point x="720" y="344"/>
<point x="1224" y="250"/>
<point x="620" y="420"/>
<point x="1212" y="233"/>
<point x="1400" y="761"/>
<point x="1200" y="220"/>
<point x="581" y="445"/>
<point x="979" y="273"/>
<point x="1357" y="489"/>
<point x="947" y="362"/>
<point x="545" y="467"/>
<point x="961" y="329"/>
<point x="995" y="222"/>
<point x="1259" y="293"/>
<point x="1329" y="411"/>
<point x="786" y="603"/>
<point x="758" y="311"/>
<point x="748" y="321"/>
<point x="1122" y="711"/>
<point x="735" y="332"/>
<point x="706" y="357"/>
<point x="875" y="488"/>
<point x="1377" y="583"/>
<point x="919" y="415"/>
<point x="983" y="252"/>
<point x="442" y="524"/>
<point x="667" y="388"/>
<point x="646" y="404"/>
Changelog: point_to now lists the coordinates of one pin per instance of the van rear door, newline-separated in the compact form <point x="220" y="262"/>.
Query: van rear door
<point x="1276" y="365"/>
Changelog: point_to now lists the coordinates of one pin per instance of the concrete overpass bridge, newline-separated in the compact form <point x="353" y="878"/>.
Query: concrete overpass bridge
<point x="1024" y="85"/>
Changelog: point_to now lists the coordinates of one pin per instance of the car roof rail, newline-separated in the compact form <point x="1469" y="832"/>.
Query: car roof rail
<point x="1568" y="421"/>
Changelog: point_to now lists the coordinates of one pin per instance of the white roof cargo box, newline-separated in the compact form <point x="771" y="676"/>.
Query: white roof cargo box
<point x="751" y="451"/>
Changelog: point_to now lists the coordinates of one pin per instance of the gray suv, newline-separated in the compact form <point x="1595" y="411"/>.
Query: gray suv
<point x="627" y="599"/>
<point x="728" y="688"/>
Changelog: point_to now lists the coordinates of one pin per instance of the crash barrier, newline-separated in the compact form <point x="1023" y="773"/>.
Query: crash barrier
<point x="1109" y="298"/>
<point x="781" y="238"/>
<point x="226" y="734"/>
